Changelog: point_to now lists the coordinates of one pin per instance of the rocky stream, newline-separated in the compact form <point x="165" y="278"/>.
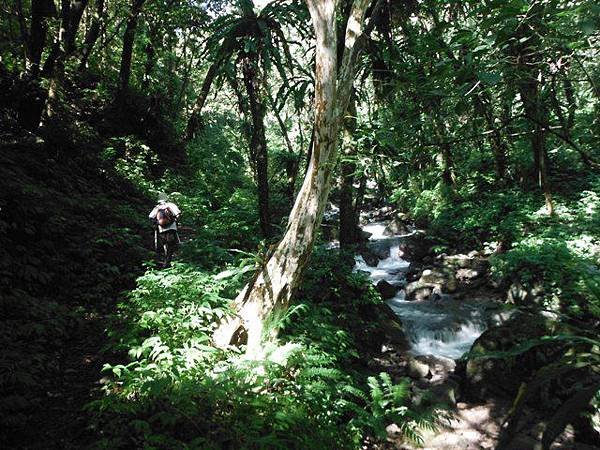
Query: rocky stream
<point x="447" y="305"/>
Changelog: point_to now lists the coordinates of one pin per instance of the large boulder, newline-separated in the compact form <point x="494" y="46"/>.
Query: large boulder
<point x="445" y="393"/>
<point x="519" y="294"/>
<point x="440" y="367"/>
<point x="493" y="376"/>
<point x="371" y="259"/>
<point x="467" y="274"/>
<point x="379" y="248"/>
<point x="431" y="280"/>
<point x="364" y="235"/>
<point x="395" y="227"/>
<point x="386" y="289"/>
<point x="390" y="326"/>
<point x="418" y="369"/>
<point x="470" y="261"/>
<point x="415" y="247"/>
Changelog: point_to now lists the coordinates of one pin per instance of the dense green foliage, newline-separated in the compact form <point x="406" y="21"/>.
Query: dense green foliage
<point x="478" y="120"/>
<point x="69" y="246"/>
<point x="309" y="392"/>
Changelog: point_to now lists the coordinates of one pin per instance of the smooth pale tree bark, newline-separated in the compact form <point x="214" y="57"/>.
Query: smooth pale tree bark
<point x="275" y="283"/>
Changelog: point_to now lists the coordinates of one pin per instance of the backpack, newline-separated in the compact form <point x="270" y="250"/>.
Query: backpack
<point x="165" y="217"/>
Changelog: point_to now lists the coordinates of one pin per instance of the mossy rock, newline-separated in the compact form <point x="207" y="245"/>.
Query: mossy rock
<point x="502" y="376"/>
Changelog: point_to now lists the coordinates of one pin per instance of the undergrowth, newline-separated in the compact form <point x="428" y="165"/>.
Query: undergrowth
<point x="310" y="391"/>
<point x="70" y="237"/>
<point x="550" y="257"/>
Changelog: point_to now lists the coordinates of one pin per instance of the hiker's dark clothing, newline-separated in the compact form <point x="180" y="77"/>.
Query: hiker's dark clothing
<point x="173" y="208"/>
<point x="167" y="242"/>
<point x="166" y="238"/>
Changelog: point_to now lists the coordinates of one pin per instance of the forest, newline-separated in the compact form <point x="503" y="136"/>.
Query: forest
<point x="376" y="224"/>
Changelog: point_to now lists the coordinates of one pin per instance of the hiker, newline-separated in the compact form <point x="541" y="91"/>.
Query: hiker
<point x="164" y="216"/>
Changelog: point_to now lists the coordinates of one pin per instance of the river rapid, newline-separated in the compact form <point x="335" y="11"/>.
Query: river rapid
<point x="442" y="326"/>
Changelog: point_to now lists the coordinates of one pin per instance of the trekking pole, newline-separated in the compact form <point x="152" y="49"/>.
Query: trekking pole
<point x="156" y="238"/>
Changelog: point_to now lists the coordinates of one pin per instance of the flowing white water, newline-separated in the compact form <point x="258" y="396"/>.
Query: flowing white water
<point x="444" y="327"/>
<point x="376" y="229"/>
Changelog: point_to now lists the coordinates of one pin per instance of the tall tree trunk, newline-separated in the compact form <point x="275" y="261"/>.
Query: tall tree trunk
<point x="291" y="171"/>
<point x="75" y="14"/>
<point x="445" y="153"/>
<point x="278" y="279"/>
<point x="571" y="102"/>
<point x="360" y="195"/>
<point x="31" y="108"/>
<point x="40" y="11"/>
<point x="54" y="65"/>
<point x="23" y="32"/>
<point x="497" y="143"/>
<point x="309" y="150"/>
<point x="194" y="122"/>
<point x="292" y="161"/>
<point x="258" y="141"/>
<point x="128" y="40"/>
<point x="535" y="110"/>
<point x="63" y="48"/>
<point x="348" y="219"/>
<point x="528" y="53"/>
<point x="149" y="66"/>
<point x="92" y="34"/>
<point x="64" y="45"/>
<point x="567" y="122"/>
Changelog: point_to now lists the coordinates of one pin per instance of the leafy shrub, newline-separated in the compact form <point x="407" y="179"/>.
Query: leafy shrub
<point x="559" y="254"/>
<point x="178" y="391"/>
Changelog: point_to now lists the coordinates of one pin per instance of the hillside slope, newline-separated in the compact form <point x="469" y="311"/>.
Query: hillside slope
<point x="73" y="235"/>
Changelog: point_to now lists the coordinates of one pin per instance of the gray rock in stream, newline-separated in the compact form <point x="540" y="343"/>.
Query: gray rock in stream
<point x="440" y="368"/>
<point x="437" y="279"/>
<point x="386" y="289"/>
<point x="417" y="369"/>
<point x="371" y="259"/>
<point x="484" y="377"/>
<point x="395" y="227"/>
<point x="445" y="393"/>
<point x="380" y="248"/>
<point x="365" y="235"/>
